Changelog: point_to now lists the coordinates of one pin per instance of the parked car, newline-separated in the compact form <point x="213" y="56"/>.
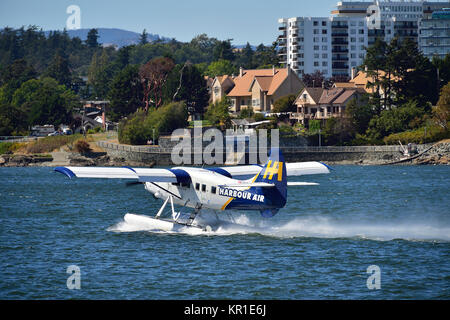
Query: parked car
<point x="55" y="133"/>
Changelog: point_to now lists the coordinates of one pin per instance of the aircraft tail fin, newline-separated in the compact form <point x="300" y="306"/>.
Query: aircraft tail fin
<point x="274" y="172"/>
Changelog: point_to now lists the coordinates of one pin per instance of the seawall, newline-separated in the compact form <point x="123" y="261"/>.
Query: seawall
<point x="157" y="155"/>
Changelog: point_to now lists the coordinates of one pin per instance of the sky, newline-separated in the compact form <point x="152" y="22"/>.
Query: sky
<point x="243" y="21"/>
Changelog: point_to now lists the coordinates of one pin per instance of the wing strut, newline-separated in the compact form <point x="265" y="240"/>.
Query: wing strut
<point x="175" y="215"/>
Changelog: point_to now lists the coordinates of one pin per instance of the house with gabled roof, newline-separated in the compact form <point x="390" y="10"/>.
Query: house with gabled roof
<point x="260" y="88"/>
<point x="221" y="85"/>
<point x="322" y="104"/>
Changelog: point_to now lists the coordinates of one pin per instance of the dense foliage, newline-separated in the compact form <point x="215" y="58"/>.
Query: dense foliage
<point x="43" y="75"/>
<point x="142" y="127"/>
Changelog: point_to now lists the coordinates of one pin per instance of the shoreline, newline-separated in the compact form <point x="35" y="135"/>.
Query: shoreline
<point x="115" y="155"/>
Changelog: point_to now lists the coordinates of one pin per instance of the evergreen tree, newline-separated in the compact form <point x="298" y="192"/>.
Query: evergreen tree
<point x="92" y="38"/>
<point x="143" y="38"/>
<point x="126" y="93"/>
<point x="59" y="70"/>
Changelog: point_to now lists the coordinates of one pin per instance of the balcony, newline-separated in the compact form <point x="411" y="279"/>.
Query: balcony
<point x="339" y="26"/>
<point x="339" y="34"/>
<point x="340" y="66"/>
<point x="282" y="36"/>
<point x="339" y="58"/>
<point x="339" y="42"/>
<point x="337" y="50"/>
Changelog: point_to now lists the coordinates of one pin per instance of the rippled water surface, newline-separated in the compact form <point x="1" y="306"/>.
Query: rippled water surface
<point x="318" y="247"/>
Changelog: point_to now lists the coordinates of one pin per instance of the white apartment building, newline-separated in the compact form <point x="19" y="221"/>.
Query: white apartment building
<point x="334" y="45"/>
<point x="434" y="38"/>
<point x="330" y="45"/>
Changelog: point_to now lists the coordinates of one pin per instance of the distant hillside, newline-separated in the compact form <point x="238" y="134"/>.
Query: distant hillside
<point x="112" y="36"/>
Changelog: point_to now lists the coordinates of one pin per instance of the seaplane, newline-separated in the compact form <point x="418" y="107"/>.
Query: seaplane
<point x="255" y="187"/>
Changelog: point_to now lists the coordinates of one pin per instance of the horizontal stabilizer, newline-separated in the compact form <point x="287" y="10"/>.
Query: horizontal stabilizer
<point x="292" y="169"/>
<point x="291" y="184"/>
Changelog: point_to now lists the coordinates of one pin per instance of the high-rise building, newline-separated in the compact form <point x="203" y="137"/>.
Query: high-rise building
<point x="434" y="38"/>
<point x="334" y="45"/>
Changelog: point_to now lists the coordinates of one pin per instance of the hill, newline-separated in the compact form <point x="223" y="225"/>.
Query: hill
<point x="113" y="36"/>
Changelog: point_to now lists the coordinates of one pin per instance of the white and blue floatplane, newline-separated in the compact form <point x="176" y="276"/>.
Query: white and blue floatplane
<point x="249" y="187"/>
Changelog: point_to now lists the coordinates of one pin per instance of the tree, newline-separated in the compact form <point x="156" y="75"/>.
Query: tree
<point x="316" y="80"/>
<point x="220" y="67"/>
<point x="59" y="70"/>
<point x="92" y="37"/>
<point x="100" y="74"/>
<point x="359" y="115"/>
<point x="143" y="37"/>
<point x="186" y="83"/>
<point x="285" y="104"/>
<point x="45" y="101"/>
<point x="143" y="126"/>
<point x="219" y="112"/>
<point x="153" y="76"/>
<point x="443" y="69"/>
<point x="12" y="78"/>
<point x="126" y="93"/>
<point x="441" y="112"/>
<point x="399" y="119"/>
<point x="223" y="50"/>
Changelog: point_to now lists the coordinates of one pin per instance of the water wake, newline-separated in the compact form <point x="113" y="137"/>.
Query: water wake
<point x="309" y="227"/>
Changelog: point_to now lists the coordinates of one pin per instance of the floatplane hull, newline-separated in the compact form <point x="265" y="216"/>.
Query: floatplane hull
<point x="150" y="223"/>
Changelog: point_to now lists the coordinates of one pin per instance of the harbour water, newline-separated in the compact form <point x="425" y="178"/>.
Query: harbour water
<point x="322" y="245"/>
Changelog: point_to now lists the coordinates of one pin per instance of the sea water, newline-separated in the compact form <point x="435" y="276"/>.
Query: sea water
<point x="365" y="232"/>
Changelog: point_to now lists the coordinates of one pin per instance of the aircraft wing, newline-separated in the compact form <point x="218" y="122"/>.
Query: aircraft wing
<point x="140" y="174"/>
<point x="292" y="169"/>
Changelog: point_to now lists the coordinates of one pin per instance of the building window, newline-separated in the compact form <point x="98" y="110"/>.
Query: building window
<point x="316" y="63"/>
<point x="324" y="31"/>
<point x="316" y="47"/>
<point x="315" y="23"/>
<point x="324" y="48"/>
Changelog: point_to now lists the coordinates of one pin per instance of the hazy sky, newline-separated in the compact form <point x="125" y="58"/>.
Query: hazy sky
<point x="241" y="20"/>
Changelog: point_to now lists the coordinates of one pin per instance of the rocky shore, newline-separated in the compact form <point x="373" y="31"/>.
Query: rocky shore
<point x="63" y="159"/>
<point x="439" y="154"/>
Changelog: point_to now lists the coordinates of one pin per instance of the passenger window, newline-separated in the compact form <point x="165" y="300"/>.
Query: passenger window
<point x="213" y="189"/>
<point x="204" y="187"/>
<point x="197" y="186"/>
